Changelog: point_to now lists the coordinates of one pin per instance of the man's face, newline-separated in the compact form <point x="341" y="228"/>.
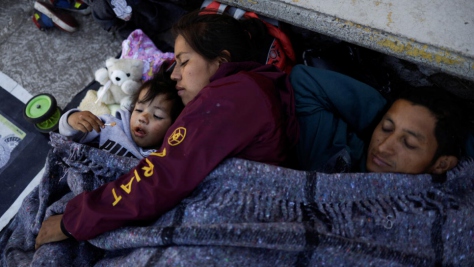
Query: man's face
<point x="404" y="141"/>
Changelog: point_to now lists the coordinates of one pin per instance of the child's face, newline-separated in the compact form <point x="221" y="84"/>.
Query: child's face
<point x="150" y="121"/>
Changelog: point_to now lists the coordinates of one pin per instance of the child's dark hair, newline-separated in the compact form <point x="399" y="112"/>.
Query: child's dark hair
<point x="451" y="124"/>
<point x="161" y="84"/>
<point x="209" y="34"/>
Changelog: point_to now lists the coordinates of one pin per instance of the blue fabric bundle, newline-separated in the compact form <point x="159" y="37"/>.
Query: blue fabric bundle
<point x="251" y="214"/>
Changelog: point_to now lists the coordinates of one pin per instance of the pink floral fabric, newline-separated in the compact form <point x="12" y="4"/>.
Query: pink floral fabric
<point x="139" y="46"/>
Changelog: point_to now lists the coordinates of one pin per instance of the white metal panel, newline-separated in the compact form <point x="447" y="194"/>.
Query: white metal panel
<point x="436" y="33"/>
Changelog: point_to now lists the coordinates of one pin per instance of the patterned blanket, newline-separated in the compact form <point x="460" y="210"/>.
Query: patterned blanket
<point x="251" y="214"/>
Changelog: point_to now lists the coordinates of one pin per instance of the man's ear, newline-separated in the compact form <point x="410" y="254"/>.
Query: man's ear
<point x="444" y="164"/>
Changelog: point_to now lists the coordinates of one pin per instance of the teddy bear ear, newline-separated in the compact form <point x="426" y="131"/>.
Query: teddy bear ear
<point x="109" y="62"/>
<point x="138" y="63"/>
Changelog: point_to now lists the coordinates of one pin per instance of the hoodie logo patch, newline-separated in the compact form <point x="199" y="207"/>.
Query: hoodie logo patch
<point x="177" y="136"/>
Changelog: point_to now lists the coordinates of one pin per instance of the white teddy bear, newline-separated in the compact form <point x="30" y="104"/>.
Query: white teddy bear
<point x="120" y="80"/>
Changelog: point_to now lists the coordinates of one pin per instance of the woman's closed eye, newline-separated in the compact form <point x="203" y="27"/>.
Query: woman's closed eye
<point x="184" y="63"/>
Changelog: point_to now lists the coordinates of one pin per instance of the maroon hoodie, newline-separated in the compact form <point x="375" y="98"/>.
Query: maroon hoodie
<point x="247" y="111"/>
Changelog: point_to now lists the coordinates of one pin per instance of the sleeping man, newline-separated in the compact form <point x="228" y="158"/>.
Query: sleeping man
<point x="423" y="131"/>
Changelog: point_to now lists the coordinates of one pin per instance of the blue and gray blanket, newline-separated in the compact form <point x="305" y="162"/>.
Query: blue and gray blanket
<point x="251" y="214"/>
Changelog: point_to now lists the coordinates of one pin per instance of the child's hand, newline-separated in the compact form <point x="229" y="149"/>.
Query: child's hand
<point x="85" y="121"/>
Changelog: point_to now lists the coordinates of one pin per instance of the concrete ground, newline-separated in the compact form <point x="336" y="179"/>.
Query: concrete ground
<point x="53" y="61"/>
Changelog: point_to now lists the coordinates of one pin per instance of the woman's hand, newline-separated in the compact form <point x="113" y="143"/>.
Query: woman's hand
<point x="85" y="121"/>
<point x="50" y="231"/>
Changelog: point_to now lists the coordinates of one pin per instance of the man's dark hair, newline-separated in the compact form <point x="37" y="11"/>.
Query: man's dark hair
<point x="161" y="84"/>
<point x="451" y="123"/>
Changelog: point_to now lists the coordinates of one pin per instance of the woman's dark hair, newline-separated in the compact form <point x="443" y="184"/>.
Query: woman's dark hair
<point x="451" y="123"/>
<point x="161" y="84"/>
<point x="209" y="34"/>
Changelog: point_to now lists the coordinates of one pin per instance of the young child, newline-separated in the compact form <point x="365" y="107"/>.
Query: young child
<point x="137" y="133"/>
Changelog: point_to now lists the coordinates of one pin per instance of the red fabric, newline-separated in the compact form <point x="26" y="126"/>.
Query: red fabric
<point x="246" y="114"/>
<point x="281" y="52"/>
<point x="213" y="5"/>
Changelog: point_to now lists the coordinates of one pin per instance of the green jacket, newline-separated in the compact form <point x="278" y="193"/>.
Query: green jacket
<point x="336" y="115"/>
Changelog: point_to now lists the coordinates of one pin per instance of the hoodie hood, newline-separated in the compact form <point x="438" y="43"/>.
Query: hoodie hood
<point x="281" y="82"/>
